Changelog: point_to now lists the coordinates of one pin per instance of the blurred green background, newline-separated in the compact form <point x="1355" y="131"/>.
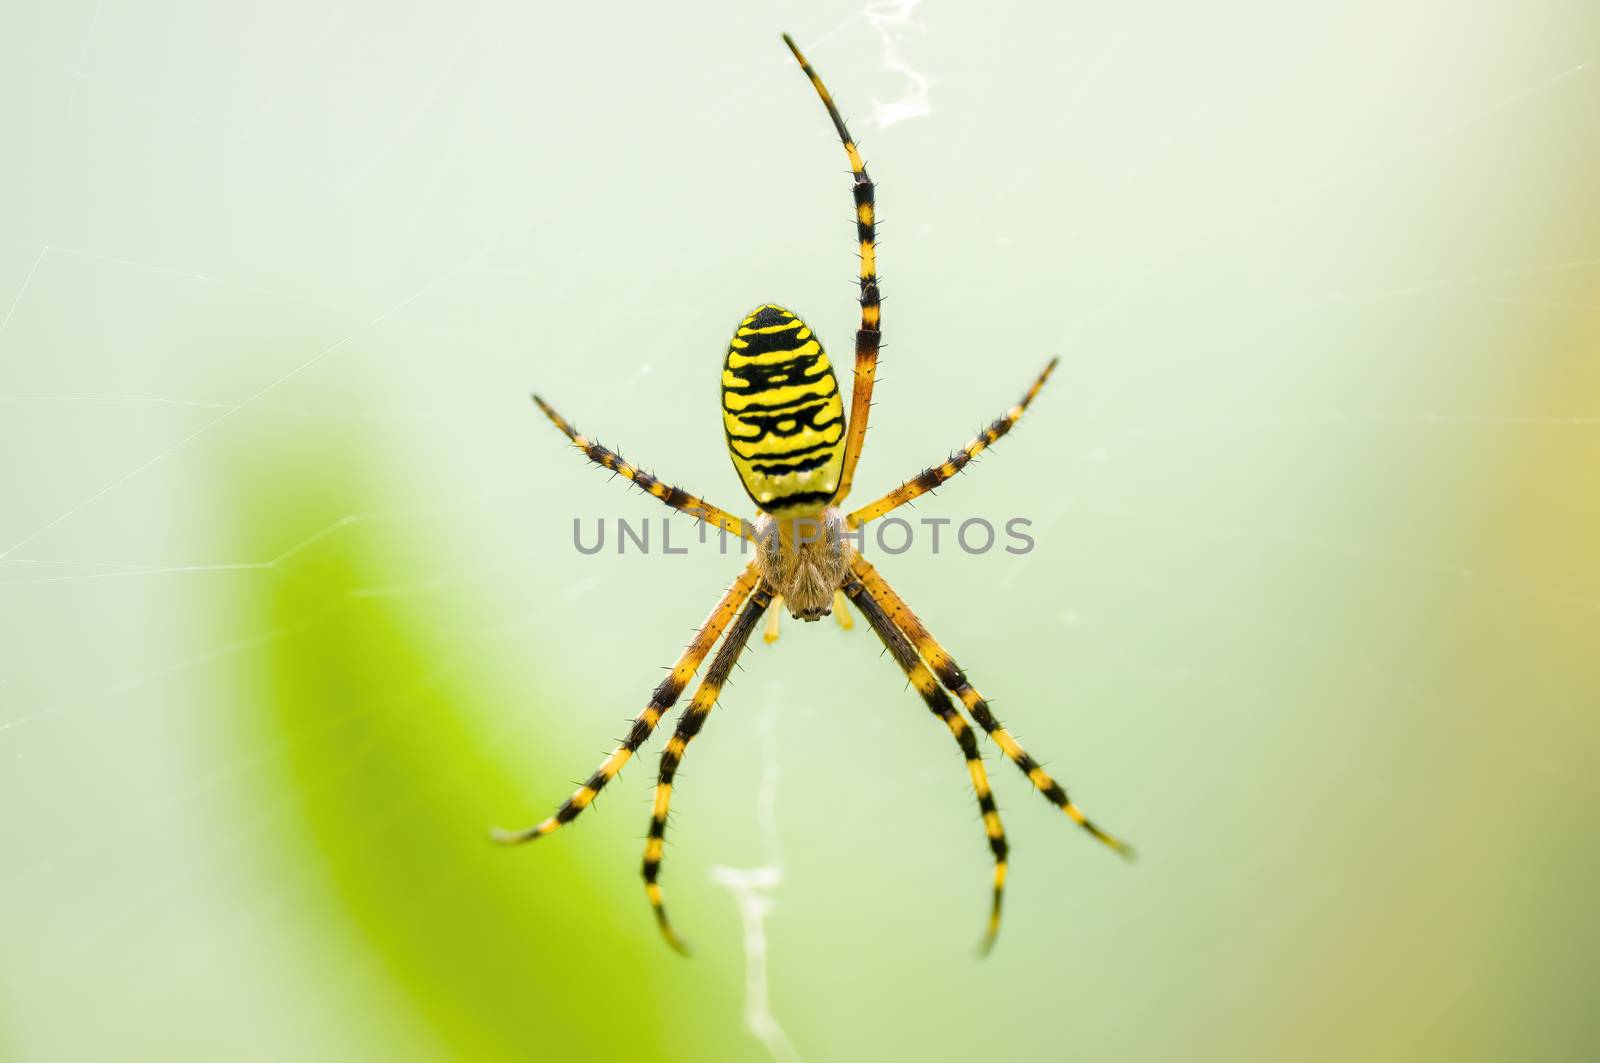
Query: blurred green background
<point x="291" y="613"/>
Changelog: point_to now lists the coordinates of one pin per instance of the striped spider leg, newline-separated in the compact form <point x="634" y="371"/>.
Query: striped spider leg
<point x="935" y="475"/>
<point x="689" y="724"/>
<point x="676" y="497"/>
<point x="943" y="665"/>
<point x="661" y="701"/>
<point x="916" y="651"/>
<point x="869" y="335"/>
<point x="938" y="702"/>
<point x="950" y="674"/>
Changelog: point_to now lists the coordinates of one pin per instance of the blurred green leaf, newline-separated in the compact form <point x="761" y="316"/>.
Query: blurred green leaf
<point x="396" y="793"/>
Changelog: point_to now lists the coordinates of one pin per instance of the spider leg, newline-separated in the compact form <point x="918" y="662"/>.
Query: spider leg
<point x="689" y="724"/>
<point x="868" y="335"/>
<point x="950" y="674"/>
<point x="841" y="611"/>
<point x="937" y="474"/>
<point x="774" y="618"/>
<point x="676" y="497"/>
<point x="665" y="696"/>
<point x="905" y="654"/>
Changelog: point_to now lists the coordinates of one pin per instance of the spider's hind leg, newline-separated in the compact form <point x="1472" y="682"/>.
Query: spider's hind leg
<point x="869" y="336"/>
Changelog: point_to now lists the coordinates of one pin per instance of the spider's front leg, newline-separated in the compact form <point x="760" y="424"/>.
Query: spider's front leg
<point x="665" y="696"/>
<point x="689" y="725"/>
<point x="950" y="674"/>
<point x="905" y="655"/>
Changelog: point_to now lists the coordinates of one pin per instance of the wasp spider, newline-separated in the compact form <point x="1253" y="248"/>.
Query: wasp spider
<point x="796" y="454"/>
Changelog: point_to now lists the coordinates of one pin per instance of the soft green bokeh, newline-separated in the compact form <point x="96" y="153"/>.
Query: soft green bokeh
<point x="291" y="611"/>
<point x="368" y="711"/>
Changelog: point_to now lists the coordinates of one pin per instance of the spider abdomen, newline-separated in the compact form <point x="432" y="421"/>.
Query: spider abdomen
<point x="782" y="414"/>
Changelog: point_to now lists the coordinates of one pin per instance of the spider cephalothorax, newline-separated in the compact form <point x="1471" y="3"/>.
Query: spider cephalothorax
<point x="796" y="455"/>
<point x="804" y="559"/>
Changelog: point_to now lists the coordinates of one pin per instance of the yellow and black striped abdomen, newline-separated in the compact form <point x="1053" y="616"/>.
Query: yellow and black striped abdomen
<point x="781" y="413"/>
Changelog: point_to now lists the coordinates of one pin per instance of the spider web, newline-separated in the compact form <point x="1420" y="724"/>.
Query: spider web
<point x="1325" y="285"/>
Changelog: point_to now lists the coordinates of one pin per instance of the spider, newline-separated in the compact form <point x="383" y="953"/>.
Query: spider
<point x="796" y="456"/>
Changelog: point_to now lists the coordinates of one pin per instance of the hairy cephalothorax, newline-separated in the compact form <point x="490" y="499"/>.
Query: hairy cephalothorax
<point x="796" y="455"/>
<point x="804" y="559"/>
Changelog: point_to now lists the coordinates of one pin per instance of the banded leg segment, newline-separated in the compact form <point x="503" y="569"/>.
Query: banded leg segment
<point x="868" y="336"/>
<point x="950" y="674"/>
<point x="935" y="475"/>
<point x="676" y="497"/>
<point x="905" y="654"/>
<point x="665" y="696"/>
<point x="694" y="718"/>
